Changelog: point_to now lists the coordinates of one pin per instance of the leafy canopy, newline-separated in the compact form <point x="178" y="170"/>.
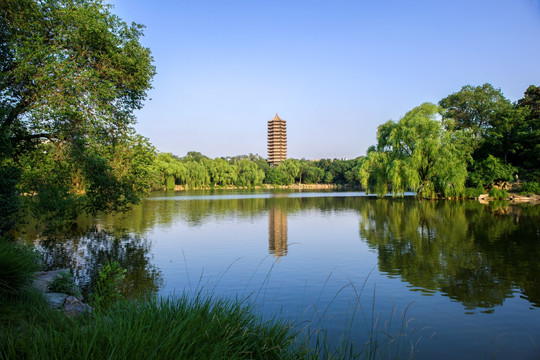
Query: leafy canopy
<point x="416" y="153"/>
<point x="72" y="75"/>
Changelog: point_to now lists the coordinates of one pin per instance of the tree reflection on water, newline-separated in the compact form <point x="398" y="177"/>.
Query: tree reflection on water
<point x="478" y="255"/>
<point x="86" y="252"/>
<point x="473" y="253"/>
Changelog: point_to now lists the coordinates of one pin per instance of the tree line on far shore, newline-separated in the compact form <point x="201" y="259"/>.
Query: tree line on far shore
<point x="473" y="139"/>
<point x="196" y="170"/>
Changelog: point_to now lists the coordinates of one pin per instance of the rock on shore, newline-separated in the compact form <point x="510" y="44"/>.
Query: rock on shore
<point x="70" y="305"/>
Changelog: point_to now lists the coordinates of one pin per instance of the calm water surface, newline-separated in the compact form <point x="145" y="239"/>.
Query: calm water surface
<point x="464" y="276"/>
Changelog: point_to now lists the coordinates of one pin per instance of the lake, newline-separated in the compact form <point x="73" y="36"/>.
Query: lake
<point x="457" y="279"/>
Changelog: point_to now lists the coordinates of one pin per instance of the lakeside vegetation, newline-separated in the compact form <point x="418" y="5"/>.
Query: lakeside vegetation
<point x="194" y="325"/>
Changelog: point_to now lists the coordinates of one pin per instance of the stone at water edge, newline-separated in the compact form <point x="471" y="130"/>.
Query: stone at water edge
<point x="74" y="307"/>
<point x="56" y="300"/>
<point x="43" y="278"/>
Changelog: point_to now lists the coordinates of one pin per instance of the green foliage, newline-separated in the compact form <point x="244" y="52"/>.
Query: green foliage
<point x="373" y="175"/>
<point x="473" y="193"/>
<point x="416" y="153"/>
<point x="9" y="196"/>
<point x="18" y="264"/>
<point x="498" y="194"/>
<point x="529" y="188"/>
<point x="198" y="171"/>
<point x="483" y="139"/>
<point x="249" y="174"/>
<point x="197" y="327"/>
<point x="276" y="177"/>
<point x="528" y="156"/>
<point x="474" y="108"/>
<point x="72" y="76"/>
<point x="108" y="285"/>
<point x="170" y="182"/>
<point x="64" y="283"/>
<point x="491" y="171"/>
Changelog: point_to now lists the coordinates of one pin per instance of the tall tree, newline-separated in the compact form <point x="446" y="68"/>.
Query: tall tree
<point x="417" y="153"/>
<point x="529" y="134"/>
<point x="473" y="108"/>
<point x="72" y="75"/>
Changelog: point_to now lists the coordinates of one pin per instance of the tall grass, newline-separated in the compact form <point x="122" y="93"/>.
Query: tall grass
<point x="18" y="263"/>
<point x="183" y="328"/>
<point x="188" y="327"/>
<point x="395" y="337"/>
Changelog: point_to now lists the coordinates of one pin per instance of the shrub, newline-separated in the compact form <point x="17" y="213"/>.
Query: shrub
<point x="491" y="171"/>
<point x="18" y="264"/>
<point x="474" y="192"/>
<point x="108" y="285"/>
<point x="530" y="188"/>
<point x="498" y="194"/>
<point x="64" y="283"/>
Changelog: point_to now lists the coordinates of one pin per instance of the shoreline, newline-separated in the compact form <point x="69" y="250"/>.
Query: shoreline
<point x="514" y="198"/>
<point x="267" y="186"/>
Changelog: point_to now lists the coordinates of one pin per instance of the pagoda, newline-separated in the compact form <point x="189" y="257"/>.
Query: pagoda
<point x="277" y="140"/>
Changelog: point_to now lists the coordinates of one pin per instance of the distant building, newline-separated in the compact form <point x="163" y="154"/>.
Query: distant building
<point x="277" y="140"/>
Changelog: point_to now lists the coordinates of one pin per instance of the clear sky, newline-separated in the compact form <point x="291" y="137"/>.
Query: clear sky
<point x="333" y="69"/>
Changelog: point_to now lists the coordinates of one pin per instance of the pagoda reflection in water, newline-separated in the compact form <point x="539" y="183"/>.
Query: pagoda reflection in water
<point x="277" y="232"/>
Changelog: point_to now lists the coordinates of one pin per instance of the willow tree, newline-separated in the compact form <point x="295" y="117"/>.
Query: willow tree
<point x="73" y="74"/>
<point x="417" y="153"/>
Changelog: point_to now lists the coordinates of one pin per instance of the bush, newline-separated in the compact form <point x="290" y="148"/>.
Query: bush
<point x="498" y="194"/>
<point x="18" y="264"/>
<point x="491" y="171"/>
<point x="474" y="192"/>
<point x="108" y="285"/>
<point x="530" y="188"/>
<point x="64" y="283"/>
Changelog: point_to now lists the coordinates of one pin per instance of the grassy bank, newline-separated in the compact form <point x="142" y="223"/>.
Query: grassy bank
<point x="195" y="325"/>
<point x="199" y="328"/>
<point x="188" y="327"/>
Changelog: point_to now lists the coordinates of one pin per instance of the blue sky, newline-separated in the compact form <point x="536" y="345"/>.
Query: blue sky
<point x="335" y="70"/>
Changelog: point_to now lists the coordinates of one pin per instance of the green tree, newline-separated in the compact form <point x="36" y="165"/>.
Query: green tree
<point x="504" y="139"/>
<point x="491" y="171"/>
<point x="474" y="108"/>
<point x="197" y="174"/>
<point x="223" y="172"/>
<point x="72" y="75"/>
<point x="417" y="153"/>
<point x="372" y="173"/>
<point x="309" y="173"/>
<point x="249" y="174"/>
<point x="290" y="170"/>
<point x="529" y="132"/>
